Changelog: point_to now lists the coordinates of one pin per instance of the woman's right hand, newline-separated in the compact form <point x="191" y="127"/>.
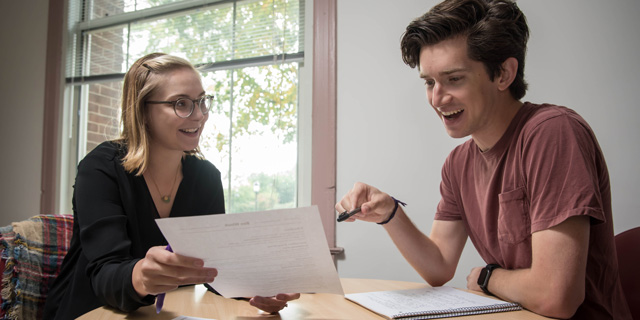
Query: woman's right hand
<point x="162" y="271"/>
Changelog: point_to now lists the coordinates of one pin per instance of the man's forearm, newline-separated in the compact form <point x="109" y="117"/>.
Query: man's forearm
<point x="554" y="285"/>
<point x="434" y="262"/>
<point x="537" y="293"/>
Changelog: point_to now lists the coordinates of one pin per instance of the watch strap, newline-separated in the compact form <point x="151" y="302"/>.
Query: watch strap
<point x="483" y="281"/>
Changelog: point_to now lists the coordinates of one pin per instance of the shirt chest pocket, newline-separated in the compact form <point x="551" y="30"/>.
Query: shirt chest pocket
<point x="514" y="224"/>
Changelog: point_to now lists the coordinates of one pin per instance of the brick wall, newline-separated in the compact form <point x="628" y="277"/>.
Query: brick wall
<point x="106" y="56"/>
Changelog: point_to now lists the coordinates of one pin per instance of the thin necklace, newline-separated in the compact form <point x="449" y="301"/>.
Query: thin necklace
<point x="166" y="198"/>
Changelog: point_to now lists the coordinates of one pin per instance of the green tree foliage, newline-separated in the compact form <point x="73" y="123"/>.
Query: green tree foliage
<point x="276" y="191"/>
<point x="266" y="94"/>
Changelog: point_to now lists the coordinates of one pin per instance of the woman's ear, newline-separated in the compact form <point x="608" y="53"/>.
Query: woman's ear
<point x="508" y="72"/>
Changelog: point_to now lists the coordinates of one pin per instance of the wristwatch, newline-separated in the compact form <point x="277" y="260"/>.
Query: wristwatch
<point x="485" y="274"/>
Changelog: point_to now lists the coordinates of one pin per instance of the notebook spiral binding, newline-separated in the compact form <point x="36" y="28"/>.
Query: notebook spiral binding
<point x="458" y="312"/>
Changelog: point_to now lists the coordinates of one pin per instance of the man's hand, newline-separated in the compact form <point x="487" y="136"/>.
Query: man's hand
<point x="375" y="205"/>
<point x="472" y="279"/>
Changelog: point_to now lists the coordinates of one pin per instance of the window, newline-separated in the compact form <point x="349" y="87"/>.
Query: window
<point x="251" y="55"/>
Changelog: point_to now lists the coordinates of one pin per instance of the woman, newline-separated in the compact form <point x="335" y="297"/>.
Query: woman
<point x="154" y="170"/>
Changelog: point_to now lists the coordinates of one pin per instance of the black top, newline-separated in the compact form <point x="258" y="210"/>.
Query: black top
<point x="114" y="227"/>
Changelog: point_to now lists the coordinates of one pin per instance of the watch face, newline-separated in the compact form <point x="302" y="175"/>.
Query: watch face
<point x="483" y="277"/>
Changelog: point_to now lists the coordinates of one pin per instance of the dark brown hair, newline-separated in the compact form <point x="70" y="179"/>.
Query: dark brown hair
<point x="495" y="30"/>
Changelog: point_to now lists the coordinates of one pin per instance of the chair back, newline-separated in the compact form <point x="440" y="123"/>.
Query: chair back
<point x="628" y="250"/>
<point x="32" y="253"/>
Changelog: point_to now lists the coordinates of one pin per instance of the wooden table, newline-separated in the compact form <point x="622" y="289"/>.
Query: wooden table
<point x="196" y="301"/>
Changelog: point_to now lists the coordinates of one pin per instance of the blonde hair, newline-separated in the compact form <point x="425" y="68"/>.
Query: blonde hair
<point x="142" y="79"/>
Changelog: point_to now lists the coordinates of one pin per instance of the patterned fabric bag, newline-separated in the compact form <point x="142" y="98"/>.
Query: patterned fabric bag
<point x="32" y="252"/>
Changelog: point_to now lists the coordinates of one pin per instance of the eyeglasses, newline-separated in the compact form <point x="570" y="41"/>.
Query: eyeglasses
<point x="184" y="106"/>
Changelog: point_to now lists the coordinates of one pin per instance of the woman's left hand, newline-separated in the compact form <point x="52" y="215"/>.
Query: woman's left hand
<point x="273" y="304"/>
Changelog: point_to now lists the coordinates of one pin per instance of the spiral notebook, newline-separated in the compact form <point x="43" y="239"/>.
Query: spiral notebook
<point x="429" y="303"/>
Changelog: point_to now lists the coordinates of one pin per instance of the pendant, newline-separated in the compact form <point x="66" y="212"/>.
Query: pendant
<point x="166" y="199"/>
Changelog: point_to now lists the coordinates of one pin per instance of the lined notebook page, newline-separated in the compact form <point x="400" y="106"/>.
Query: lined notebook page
<point x="444" y="301"/>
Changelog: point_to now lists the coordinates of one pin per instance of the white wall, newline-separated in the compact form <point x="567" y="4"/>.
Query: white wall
<point x="582" y="54"/>
<point x="23" y="34"/>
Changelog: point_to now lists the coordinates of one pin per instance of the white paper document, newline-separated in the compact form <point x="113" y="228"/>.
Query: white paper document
<point x="258" y="253"/>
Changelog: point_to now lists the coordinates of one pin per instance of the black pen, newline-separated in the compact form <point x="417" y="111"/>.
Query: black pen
<point x="346" y="215"/>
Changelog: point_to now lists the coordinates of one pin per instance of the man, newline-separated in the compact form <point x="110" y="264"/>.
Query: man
<point x="530" y="188"/>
